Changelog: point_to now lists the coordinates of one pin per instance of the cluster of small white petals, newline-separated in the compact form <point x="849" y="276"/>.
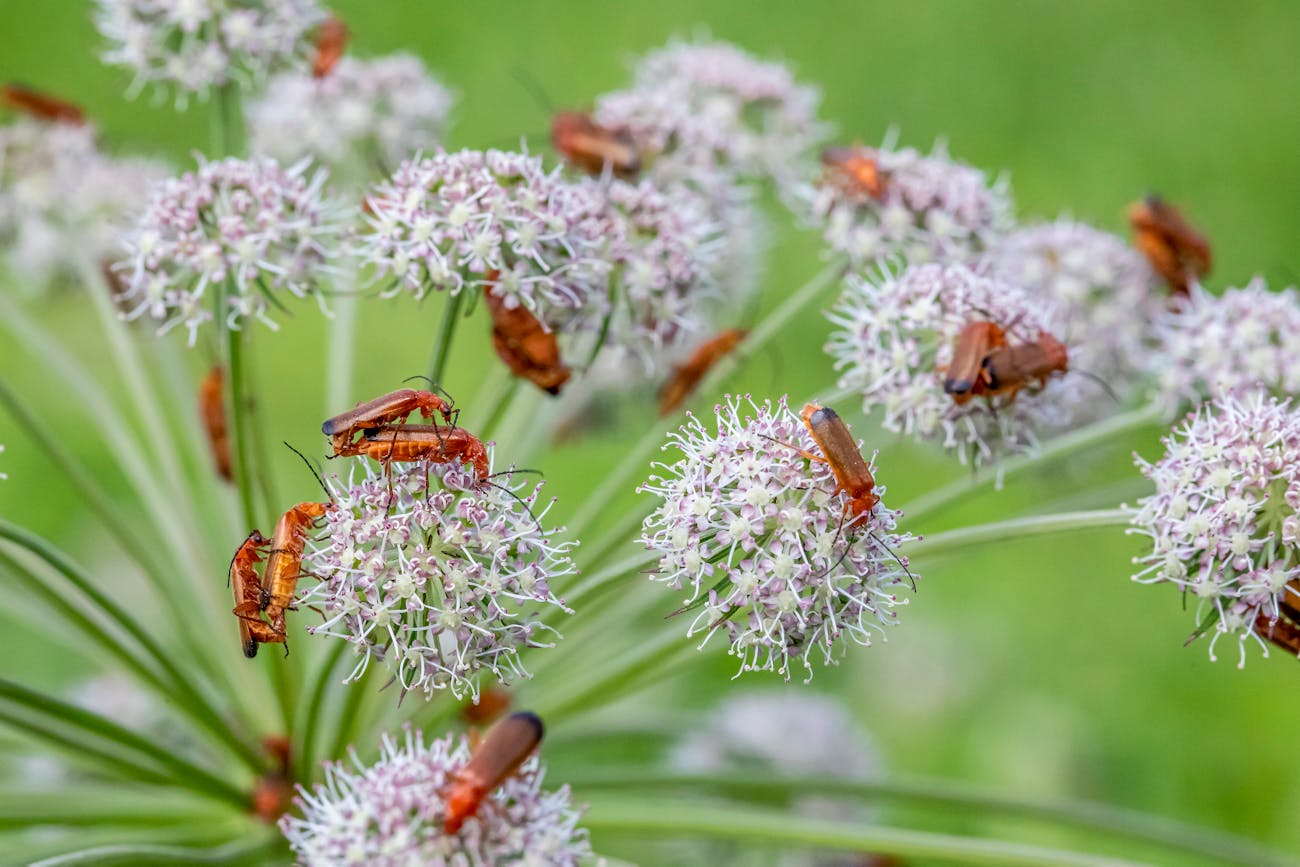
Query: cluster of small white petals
<point x="755" y="531"/>
<point x="932" y="209"/>
<point x="1244" y="340"/>
<point x="195" y="45"/>
<point x="895" y="334"/>
<point x="445" y="222"/>
<point x="1103" y="298"/>
<point x="710" y="108"/>
<point x="62" y="201"/>
<point x="362" y="119"/>
<point x="665" y="248"/>
<point x="245" y="228"/>
<point x="1223" y="521"/>
<point x="390" y="813"/>
<point x="441" y="581"/>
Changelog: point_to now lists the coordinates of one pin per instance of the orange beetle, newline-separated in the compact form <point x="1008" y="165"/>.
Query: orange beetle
<point x="250" y="598"/>
<point x="491" y="703"/>
<point x="383" y="410"/>
<point x="212" y="410"/>
<point x="331" y="41"/>
<point x="284" y="566"/>
<point x="1177" y="251"/>
<point x="590" y="146"/>
<point x="965" y="374"/>
<point x="39" y="105"/>
<point x="687" y="375"/>
<point x="507" y="746"/>
<point x="409" y="443"/>
<point x="840" y="451"/>
<point x="854" y="171"/>
<point x="1008" y="369"/>
<point x="523" y="343"/>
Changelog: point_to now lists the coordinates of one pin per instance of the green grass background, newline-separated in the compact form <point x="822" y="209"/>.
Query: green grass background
<point x="1037" y="668"/>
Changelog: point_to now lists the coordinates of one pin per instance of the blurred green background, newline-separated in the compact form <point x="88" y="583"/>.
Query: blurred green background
<point x="1036" y="669"/>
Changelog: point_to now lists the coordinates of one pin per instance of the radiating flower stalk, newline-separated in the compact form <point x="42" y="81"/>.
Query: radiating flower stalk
<point x="423" y="580"/>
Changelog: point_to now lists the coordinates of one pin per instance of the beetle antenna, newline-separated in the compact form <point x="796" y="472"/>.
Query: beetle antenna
<point x="530" y="83"/>
<point x="1110" y="392"/>
<point x="315" y="472"/>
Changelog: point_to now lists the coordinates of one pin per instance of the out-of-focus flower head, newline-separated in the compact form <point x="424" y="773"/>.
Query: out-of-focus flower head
<point x="449" y="221"/>
<point x="362" y="119"/>
<point x="196" y="45"/>
<point x="895" y="335"/>
<point x="63" y="201"/>
<point x="756" y="533"/>
<point x="441" y="582"/>
<point x="708" y="110"/>
<point x="1102" y="296"/>
<point x="921" y="208"/>
<point x="1223" y="521"/>
<point x="244" y="231"/>
<point x="391" y="813"/>
<point x="1244" y="340"/>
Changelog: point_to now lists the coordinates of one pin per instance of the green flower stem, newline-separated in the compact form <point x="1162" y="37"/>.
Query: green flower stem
<point x="310" y="721"/>
<point x="176" y="844"/>
<point x="339" y="361"/>
<point x="58" y="715"/>
<point x="79" y="748"/>
<point x="446" y="333"/>
<point x="84" y="805"/>
<point x="947" y="795"/>
<point x="504" y="399"/>
<point x="603" y="687"/>
<point x="237" y="426"/>
<point x="272" y="505"/>
<point x="1017" y="528"/>
<point x="228" y="137"/>
<point x="751" y="826"/>
<point x="1058" y="447"/>
<point x="631" y="567"/>
<point x="184" y="692"/>
<point x="638" y="457"/>
<point x="624" y="532"/>
<point x="345" y="730"/>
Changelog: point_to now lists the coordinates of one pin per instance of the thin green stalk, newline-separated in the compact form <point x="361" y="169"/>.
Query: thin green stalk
<point x="57" y="714"/>
<point x="242" y="468"/>
<point x="285" y="687"/>
<point x="622" y="533"/>
<point x="1017" y="528"/>
<point x="604" y="687"/>
<point x="228" y="138"/>
<point x="199" y="708"/>
<point x="311" y="720"/>
<point x="585" y="590"/>
<point x="947" y="795"/>
<point x="1061" y="446"/>
<point x="258" y="850"/>
<point x="504" y="400"/>
<point x="83" y="805"/>
<point x="80" y="749"/>
<point x="751" y="826"/>
<point x="446" y="333"/>
<point x="262" y="473"/>
<point x="638" y="458"/>
<point x="345" y="730"/>
<point x="340" y="359"/>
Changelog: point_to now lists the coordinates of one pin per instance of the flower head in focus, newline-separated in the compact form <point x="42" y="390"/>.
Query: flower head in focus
<point x="451" y="220"/>
<point x="63" y="202"/>
<point x="1244" y="340"/>
<point x="895" y="336"/>
<point x="1102" y="296"/>
<point x="756" y="533"/>
<point x="364" y="116"/>
<point x="1223" y="521"/>
<point x="241" y="231"/>
<point x="442" y="582"/>
<point x="391" y="812"/>
<point x="923" y="208"/>
<point x="196" y="45"/>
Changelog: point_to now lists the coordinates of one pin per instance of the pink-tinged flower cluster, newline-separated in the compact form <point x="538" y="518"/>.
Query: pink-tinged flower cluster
<point x="62" y="201"/>
<point x="894" y="337"/>
<point x="1244" y="340"/>
<point x="390" y="813"/>
<point x="1102" y="297"/>
<point x="754" y="531"/>
<point x="1223" y="520"/>
<point x="447" y="221"/>
<point x="441" y="581"/>
<point x="246" y="230"/>
<point x="195" y="45"/>
<point x="930" y="209"/>
<point x="709" y="110"/>
<point x="361" y="120"/>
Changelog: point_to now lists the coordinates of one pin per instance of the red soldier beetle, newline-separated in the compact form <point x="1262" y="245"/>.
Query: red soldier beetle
<point x="506" y="747"/>
<point x="1177" y="252"/>
<point x="523" y="343"/>
<point x="250" y="598"/>
<point x="41" y="106"/>
<point x="273" y="792"/>
<point x="384" y="410"/>
<point x="854" y="171"/>
<point x="490" y="704"/>
<point x="687" y="375"/>
<point x="1280" y="631"/>
<point x="284" y="565"/>
<point x="212" y="410"/>
<point x="331" y="41"/>
<point x="409" y="443"/>
<point x="592" y="147"/>
<point x="1007" y="369"/>
<point x="964" y="375"/>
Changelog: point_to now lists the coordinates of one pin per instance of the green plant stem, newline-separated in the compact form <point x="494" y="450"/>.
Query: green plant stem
<point x="272" y="506"/>
<point x="237" y="427"/>
<point x="339" y="360"/>
<point x="310" y="720"/>
<point x="947" y="795"/>
<point x="446" y="333"/>
<point x="256" y="851"/>
<point x="83" y="805"/>
<point x="228" y="139"/>
<point x="1017" y="528"/>
<point x="638" y="457"/>
<point x="603" y="687"/>
<point x="751" y="826"/>
<point x="1058" y="447"/>
<point x="345" y="730"/>
<point x="589" y="587"/>
<point x="499" y="407"/>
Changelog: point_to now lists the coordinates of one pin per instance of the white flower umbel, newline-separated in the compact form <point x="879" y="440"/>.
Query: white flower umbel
<point x="755" y="532"/>
<point x="1103" y="298"/>
<point x="390" y="813"/>
<point x="196" y="45"/>
<point x="930" y="209"/>
<point x="1244" y="340"/>
<point x="894" y="334"/>
<point x="361" y="120"/>
<point x="440" y="583"/>
<point x="1223" y="520"/>
<point x="244" y="231"/>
